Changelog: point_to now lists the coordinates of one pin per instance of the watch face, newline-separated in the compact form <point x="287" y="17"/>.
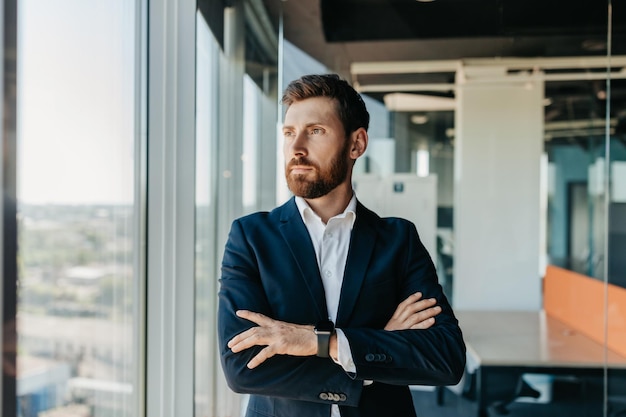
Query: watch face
<point x="325" y="327"/>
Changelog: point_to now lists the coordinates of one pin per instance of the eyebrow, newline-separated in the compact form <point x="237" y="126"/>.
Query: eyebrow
<point x="306" y="126"/>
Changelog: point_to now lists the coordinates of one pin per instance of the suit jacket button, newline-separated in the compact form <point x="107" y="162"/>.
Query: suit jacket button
<point x="383" y="357"/>
<point x="370" y="357"/>
<point x="323" y="396"/>
<point x="388" y="359"/>
<point x="335" y="397"/>
<point x="342" y="397"/>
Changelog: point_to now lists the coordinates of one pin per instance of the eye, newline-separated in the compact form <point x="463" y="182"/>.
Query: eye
<point x="288" y="133"/>
<point x="317" y="131"/>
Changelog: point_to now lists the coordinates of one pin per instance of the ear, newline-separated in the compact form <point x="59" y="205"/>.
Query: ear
<point x="359" y="143"/>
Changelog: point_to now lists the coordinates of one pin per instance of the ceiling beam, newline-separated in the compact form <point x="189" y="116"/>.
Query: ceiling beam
<point x="385" y="88"/>
<point x="443" y="66"/>
<point x="502" y="71"/>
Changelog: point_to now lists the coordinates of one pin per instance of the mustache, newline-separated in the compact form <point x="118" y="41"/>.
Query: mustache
<point x="302" y="161"/>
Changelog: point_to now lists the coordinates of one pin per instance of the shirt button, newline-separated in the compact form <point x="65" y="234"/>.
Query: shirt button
<point x="328" y="273"/>
<point x="329" y="235"/>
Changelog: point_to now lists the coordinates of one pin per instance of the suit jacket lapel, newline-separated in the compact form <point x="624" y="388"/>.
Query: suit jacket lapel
<point x="297" y="237"/>
<point x="361" y="247"/>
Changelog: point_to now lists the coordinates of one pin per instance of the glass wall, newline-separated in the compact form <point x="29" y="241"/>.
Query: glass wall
<point x="79" y="234"/>
<point x="586" y="214"/>
<point x="543" y="148"/>
<point x="236" y="107"/>
<point x="615" y="244"/>
<point x="576" y="211"/>
<point x="207" y="59"/>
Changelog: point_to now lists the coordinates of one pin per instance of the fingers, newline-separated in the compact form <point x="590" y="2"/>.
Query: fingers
<point x="257" y="318"/>
<point x="423" y="325"/>
<point x="413" y="304"/>
<point x="261" y="357"/>
<point x="422" y="320"/>
<point x="414" y="313"/>
<point x="275" y="337"/>
<point x="424" y="316"/>
<point x="248" y="339"/>
<point x="255" y="336"/>
<point x="411" y="299"/>
<point x="245" y="340"/>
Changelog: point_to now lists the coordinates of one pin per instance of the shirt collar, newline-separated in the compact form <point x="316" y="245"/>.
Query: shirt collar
<point x="306" y="212"/>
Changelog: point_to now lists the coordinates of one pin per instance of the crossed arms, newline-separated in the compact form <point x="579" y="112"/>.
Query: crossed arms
<point x="267" y="342"/>
<point x="281" y="338"/>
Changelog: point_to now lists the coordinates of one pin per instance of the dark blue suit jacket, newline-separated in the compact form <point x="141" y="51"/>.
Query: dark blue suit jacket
<point x="269" y="266"/>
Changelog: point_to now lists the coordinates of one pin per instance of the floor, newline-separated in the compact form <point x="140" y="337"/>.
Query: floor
<point x="566" y="401"/>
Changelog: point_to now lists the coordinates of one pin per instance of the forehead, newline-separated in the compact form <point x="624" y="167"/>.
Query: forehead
<point x="312" y="110"/>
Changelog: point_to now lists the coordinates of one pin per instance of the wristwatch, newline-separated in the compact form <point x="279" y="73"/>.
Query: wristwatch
<point x="324" y="330"/>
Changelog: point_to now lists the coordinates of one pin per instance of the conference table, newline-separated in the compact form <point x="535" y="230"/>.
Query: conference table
<point x="504" y="345"/>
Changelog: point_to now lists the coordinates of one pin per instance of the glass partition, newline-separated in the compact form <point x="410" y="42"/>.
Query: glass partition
<point x="543" y="148"/>
<point x="207" y="60"/>
<point x="615" y="267"/>
<point x="518" y="171"/>
<point x="236" y="102"/>
<point x="615" y="204"/>
<point x="80" y="272"/>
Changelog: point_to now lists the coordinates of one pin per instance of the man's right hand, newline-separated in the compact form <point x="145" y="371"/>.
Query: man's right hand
<point x="414" y="313"/>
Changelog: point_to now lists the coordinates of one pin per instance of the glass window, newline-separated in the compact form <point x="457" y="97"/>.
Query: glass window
<point x="207" y="55"/>
<point x="251" y="129"/>
<point x="78" y="225"/>
<point x="575" y="147"/>
<point x="235" y="152"/>
<point x="615" y="264"/>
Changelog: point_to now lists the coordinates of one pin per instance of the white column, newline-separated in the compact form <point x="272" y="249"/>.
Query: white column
<point x="230" y="168"/>
<point x="171" y="203"/>
<point x="498" y="146"/>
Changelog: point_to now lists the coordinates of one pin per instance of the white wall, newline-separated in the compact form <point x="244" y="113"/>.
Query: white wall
<point x="403" y="195"/>
<point x="499" y="129"/>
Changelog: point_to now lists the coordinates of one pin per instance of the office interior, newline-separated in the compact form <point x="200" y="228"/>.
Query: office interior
<point x="134" y="132"/>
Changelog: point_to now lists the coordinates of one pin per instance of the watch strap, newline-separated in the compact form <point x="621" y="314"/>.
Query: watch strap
<point x="324" y="331"/>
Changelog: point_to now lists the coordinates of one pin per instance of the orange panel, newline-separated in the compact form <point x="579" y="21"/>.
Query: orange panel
<point x="617" y="319"/>
<point x="579" y="301"/>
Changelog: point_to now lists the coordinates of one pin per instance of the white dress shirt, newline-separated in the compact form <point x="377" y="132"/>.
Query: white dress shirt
<point x="331" y="242"/>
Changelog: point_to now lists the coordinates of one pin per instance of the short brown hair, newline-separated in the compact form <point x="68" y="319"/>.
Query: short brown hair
<point x="350" y="106"/>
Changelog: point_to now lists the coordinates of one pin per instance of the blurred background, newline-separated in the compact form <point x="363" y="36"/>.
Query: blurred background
<point x="134" y="132"/>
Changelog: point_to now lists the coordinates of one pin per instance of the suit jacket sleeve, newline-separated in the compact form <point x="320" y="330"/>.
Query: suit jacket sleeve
<point x="301" y="378"/>
<point x="435" y="356"/>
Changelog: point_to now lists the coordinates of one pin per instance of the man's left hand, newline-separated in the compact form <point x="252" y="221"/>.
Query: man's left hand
<point x="278" y="337"/>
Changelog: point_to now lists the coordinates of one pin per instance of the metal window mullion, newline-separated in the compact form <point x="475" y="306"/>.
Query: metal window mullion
<point x="8" y="208"/>
<point x="171" y="208"/>
<point x="140" y="207"/>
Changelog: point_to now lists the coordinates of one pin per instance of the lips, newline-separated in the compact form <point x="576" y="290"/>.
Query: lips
<point x="300" y="169"/>
<point x="301" y="166"/>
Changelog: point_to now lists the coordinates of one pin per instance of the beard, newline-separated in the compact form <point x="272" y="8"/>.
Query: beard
<point x="324" y="181"/>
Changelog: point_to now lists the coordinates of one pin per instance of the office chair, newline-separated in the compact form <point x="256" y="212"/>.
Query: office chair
<point x="522" y="390"/>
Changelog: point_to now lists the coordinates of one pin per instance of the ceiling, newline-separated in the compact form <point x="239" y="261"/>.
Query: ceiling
<point x="340" y="33"/>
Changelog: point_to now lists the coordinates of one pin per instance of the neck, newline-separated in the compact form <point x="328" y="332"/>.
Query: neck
<point x="333" y="203"/>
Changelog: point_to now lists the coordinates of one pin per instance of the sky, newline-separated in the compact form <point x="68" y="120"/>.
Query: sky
<point x="75" y="101"/>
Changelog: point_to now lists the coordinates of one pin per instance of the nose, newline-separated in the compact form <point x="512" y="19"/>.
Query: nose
<point x="296" y="146"/>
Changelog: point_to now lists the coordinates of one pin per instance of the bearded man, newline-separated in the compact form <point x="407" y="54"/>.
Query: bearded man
<point x="326" y="309"/>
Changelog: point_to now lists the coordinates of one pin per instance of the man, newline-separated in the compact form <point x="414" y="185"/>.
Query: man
<point x="324" y="307"/>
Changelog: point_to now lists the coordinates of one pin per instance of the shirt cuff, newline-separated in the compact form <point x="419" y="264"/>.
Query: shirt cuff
<point x="344" y="354"/>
